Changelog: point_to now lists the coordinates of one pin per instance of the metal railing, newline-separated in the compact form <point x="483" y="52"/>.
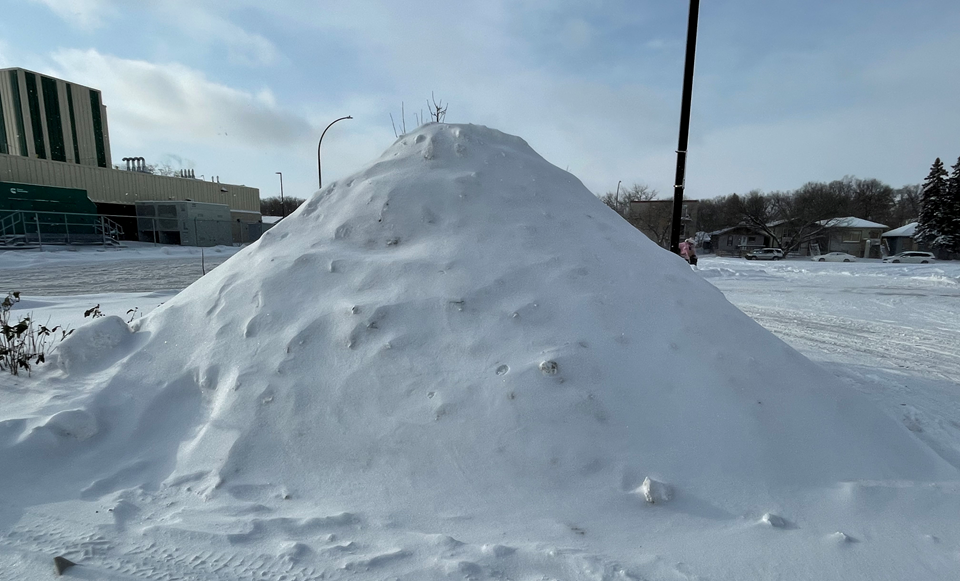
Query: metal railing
<point x="34" y="228"/>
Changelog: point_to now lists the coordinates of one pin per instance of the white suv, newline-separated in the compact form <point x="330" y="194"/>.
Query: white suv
<point x="765" y="254"/>
<point x="911" y="257"/>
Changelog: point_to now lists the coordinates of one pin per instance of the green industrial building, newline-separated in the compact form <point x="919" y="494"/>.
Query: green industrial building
<point x="55" y="153"/>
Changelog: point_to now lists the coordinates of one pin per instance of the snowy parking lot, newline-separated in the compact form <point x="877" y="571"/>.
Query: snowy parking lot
<point x="91" y="270"/>
<point x="891" y="331"/>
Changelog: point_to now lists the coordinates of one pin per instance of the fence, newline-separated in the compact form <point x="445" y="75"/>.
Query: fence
<point x="33" y="228"/>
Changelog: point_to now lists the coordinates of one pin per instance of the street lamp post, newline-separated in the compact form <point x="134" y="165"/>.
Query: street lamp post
<point x="684" y="125"/>
<point x="283" y="207"/>
<point x="319" y="174"/>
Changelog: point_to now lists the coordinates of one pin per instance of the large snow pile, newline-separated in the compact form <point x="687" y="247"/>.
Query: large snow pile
<point x="458" y="363"/>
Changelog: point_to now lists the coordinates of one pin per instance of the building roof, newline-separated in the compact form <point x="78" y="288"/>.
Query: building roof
<point x="850" y="222"/>
<point x="776" y="223"/>
<point x="908" y="230"/>
<point x="271" y="219"/>
<point x="4" y="69"/>
<point x="737" y="227"/>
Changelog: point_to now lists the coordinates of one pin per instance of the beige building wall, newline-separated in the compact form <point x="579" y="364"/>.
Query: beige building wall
<point x="66" y="92"/>
<point x="14" y="127"/>
<point x="82" y="167"/>
<point x="113" y="186"/>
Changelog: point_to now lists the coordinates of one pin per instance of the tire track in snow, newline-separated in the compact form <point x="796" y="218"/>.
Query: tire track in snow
<point x="929" y="351"/>
<point x="916" y="366"/>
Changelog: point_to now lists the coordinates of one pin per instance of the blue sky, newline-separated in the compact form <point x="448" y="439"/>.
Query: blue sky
<point x="786" y="91"/>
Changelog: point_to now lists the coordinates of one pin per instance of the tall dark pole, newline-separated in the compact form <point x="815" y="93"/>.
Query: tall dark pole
<point x="319" y="174"/>
<point x="684" y="126"/>
<point x="283" y="207"/>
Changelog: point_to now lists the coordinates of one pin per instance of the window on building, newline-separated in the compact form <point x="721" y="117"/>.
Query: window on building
<point x="729" y="240"/>
<point x="3" y="130"/>
<point x="33" y="104"/>
<point x="851" y="236"/>
<point x="21" y="133"/>
<point x="98" y="129"/>
<point x="51" y="106"/>
<point x="73" y="125"/>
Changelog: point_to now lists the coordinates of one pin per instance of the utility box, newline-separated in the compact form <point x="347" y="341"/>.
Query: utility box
<point x="48" y="214"/>
<point x="184" y="223"/>
<point x="27" y="197"/>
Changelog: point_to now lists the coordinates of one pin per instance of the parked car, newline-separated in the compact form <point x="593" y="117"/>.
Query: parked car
<point x="765" y="254"/>
<point x="911" y="257"/>
<point x="835" y="257"/>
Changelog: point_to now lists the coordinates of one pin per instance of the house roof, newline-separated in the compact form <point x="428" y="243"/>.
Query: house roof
<point x="850" y="222"/>
<point x="776" y="223"/>
<point x="908" y="230"/>
<point x="737" y="227"/>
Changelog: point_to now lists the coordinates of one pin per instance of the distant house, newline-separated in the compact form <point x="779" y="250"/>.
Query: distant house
<point x="738" y="240"/>
<point x="900" y="239"/>
<point x="852" y="235"/>
<point x="785" y="231"/>
<point x="654" y="217"/>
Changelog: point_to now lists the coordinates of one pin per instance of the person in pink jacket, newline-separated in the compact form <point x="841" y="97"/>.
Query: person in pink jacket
<point x="688" y="251"/>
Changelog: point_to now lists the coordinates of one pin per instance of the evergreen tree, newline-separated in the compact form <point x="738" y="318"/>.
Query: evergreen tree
<point x="952" y="222"/>
<point x="933" y="208"/>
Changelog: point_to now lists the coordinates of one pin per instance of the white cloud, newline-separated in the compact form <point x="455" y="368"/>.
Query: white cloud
<point x="171" y="101"/>
<point x="170" y="113"/>
<point x="766" y="114"/>
<point x="86" y="14"/>
<point x="200" y="21"/>
<point x="204" y="26"/>
<point x="893" y="144"/>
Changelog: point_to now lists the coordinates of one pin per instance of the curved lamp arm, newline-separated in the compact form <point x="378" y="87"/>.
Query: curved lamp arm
<point x="319" y="174"/>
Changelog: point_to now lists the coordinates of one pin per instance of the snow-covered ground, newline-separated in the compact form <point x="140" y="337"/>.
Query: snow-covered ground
<point x="458" y="364"/>
<point x="890" y="331"/>
<point x="139" y="267"/>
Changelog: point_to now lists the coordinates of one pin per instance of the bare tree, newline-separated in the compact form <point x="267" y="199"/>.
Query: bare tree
<point x="651" y="216"/>
<point x="806" y="212"/>
<point x="619" y="200"/>
<point x="615" y="202"/>
<point x="872" y="200"/>
<point x="641" y="193"/>
<point x="761" y="212"/>
<point x="718" y="213"/>
<point x="272" y="206"/>
<point x="906" y="206"/>
<point x="438" y="111"/>
<point x="161" y="169"/>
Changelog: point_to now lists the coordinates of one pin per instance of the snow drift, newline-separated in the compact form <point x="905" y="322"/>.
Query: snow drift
<point x="461" y="340"/>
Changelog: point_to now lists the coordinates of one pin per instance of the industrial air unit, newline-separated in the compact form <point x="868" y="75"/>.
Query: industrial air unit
<point x="184" y="223"/>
